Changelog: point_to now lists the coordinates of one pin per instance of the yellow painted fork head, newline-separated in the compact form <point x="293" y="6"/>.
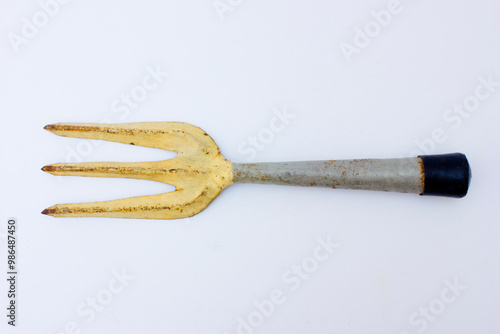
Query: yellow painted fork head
<point x="199" y="172"/>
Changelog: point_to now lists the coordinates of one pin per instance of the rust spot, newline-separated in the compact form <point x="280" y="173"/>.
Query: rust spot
<point x="199" y="172"/>
<point x="48" y="211"/>
<point x="48" y="168"/>
<point x="422" y="174"/>
<point x="49" y="127"/>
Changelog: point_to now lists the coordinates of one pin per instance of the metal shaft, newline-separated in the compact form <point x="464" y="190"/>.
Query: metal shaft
<point x="397" y="175"/>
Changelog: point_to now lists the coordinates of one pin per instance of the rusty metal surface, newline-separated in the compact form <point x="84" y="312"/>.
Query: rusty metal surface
<point x="199" y="172"/>
<point x="397" y="175"/>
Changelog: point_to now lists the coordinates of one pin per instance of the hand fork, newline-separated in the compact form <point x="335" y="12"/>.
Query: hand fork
<point x="199" y="172"/>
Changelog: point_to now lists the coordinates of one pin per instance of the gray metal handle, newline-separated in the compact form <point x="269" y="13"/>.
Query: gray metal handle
<point x="397" y="175"/>
<point x="446" y="175"/>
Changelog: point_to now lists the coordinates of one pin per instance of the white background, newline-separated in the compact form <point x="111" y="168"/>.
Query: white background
<point x="229" y="74"/>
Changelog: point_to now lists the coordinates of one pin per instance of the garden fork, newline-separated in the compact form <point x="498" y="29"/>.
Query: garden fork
<point x="199" y="172"/>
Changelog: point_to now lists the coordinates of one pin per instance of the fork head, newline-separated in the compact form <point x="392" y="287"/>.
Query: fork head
<point x="199" y="172"/>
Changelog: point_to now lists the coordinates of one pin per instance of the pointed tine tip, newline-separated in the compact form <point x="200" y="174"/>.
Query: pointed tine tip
<point x="50" y="127"/>
<point x="59" y="128"/>
<point x="46" y="212"/>
<point x="64" y="169"/>
<point x="49" y="168"/>
<point x="54" y="211"/>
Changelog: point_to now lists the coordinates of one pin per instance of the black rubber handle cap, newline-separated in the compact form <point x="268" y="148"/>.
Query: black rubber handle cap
<point x="446" y="175"/>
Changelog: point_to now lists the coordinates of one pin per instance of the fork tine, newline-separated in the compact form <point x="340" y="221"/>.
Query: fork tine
<point x="164" y="135"/>
<point x="171" y="205"/>
<point x="162" y="171"/>
<point x="199" y="172"/>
